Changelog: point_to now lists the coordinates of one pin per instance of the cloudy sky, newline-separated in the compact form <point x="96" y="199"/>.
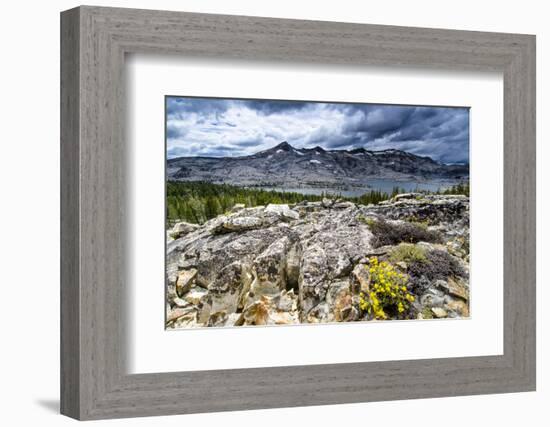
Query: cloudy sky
<point x="230" y="127"/>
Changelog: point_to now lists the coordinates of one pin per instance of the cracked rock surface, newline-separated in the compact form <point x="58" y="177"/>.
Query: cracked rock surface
<point x="309" y="263"/>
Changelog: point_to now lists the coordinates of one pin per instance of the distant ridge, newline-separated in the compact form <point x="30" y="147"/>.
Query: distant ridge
<point x="286" y="166"/>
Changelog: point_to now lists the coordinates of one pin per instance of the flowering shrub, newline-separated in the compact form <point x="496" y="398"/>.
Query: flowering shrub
<point x="388" y="294"/>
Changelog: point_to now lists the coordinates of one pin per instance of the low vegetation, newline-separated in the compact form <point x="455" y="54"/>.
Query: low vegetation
<point x="427" y="313"/>
<point x="439" y="265"/>
<point x="408" y="253"/>
<point x="391" y="233"/>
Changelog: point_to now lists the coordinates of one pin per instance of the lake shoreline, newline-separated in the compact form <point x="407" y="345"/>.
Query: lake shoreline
<point x="384" y="185"/>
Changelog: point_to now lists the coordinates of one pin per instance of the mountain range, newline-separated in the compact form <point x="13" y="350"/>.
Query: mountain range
<point x="285" y="166"/>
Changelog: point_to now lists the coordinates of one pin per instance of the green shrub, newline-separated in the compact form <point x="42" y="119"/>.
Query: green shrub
<point x="407" y="252"/>
<point x="365" y="220"/>
<point x="386" y="233"/>
<point x="422" y="224"/>
<point x="427" y="313"/>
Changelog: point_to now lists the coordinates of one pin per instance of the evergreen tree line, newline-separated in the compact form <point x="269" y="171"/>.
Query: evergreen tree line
<point x="460" y="188"/>
<point x="198" y="201"/>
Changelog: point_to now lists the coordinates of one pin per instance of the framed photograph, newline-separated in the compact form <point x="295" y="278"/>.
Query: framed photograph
<point x="321" y="229"/>
<point x="297" y="212"/>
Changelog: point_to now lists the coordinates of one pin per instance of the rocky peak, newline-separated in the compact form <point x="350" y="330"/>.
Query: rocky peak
<point x="286" y="166"/>
<point x="285" y="146"/>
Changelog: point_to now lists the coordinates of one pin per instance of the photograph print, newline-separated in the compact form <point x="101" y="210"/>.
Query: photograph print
<point x="286" y="212"/>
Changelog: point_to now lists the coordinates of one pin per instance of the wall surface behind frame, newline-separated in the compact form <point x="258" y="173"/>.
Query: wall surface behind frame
<point x="29" y="218"/>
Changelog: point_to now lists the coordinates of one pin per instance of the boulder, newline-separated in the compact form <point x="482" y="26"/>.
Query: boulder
<point x="234" y="319"/>
<point x="283" y="318"/>
<point x="171" y="293"/>
<point x="217" y="319"/>
<point x="459" y="307"/>
<point x="238" y="207"/>
<point x="257" y="313"/>
<point x="312" y="281"/>
<point x="327" y="203"/>
<point x="360" y="279"/>
<point x="195" y="295"/>
<point x="340" y="302"/>
<point x="344" y="205"/>
<point x="176" y="313"/>
<point x="214" y="252"/>
<point x="182" y="228"/>
<point x="433" y="298"/>
<point x="179" y="302"/>
<point x="319" y="314"/>
<point x="242" y="223"/>
<point x="349" y="313"/>
<point x="270" y="268"/>
<point x="456" y="288"/>
<point x="282" y="211"/>
<point x="188" y="320"/>
<point x="227" y="290"/>
<point x="406" y="196"/>
<point x="272" y="310"/>
<point x="286" y="301"/>
<point x="439" y="312"/>
<point x="185" y="281"/>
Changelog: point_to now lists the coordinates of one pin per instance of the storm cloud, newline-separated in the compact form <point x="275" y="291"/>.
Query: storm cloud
<point x="234" y="127"/>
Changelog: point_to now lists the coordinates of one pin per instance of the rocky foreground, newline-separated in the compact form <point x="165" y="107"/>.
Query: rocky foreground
<point x="329" y="261"/>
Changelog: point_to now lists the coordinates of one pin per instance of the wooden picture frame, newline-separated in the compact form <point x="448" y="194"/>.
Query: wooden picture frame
<point x="94" y="41"/>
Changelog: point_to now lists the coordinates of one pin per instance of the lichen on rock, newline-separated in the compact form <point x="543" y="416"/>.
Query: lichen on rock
<point x="309" y="262"/>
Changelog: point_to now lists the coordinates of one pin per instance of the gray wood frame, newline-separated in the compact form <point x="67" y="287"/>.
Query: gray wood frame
<point x="94" y="41"/>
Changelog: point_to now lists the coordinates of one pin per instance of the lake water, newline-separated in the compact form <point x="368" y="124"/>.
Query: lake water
<point x="385" y="186"/>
